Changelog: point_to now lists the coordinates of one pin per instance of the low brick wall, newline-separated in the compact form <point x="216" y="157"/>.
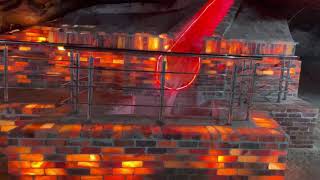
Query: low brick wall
<point x="297" y="118"/>
<point x="103" y="151"/>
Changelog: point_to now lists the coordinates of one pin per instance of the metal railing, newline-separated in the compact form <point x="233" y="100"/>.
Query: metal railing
<point x="242" y="71"/>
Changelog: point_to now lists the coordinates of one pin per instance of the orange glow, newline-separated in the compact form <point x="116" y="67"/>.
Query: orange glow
<point x="37" y="164"/>
<point x="227" y="158"/>
<point x="265" y="72"/>
<point x="88" y="164"/>
<point x="100" y="171"/>
<point x="31" y="157"/>
<point x="230" y="63"/>
<point x="32" y="172"/>
<point x="7" y="128"/>
<point x="138" y="41"/>
<point x="132" y="164"/>
<point x="143" y="171"/>
<point x="121" y="42"/>
<point x="42" y="39"/>
<point x="55" y="171"/>
<point x="83" y="59"/>
<point x="83" y="157"/>
<point x="122" y="171"/>
<point x="7" y="123"/>
<point x="61" y="48"/>
<point x="153" y="43"/>
<point x="118" y="61"/>
<point x="24" y="48"/>
<point x="226" y="172"/>
<point x="277" y="166"/>
<point x="29" y="108"/>
<point x="47" y="126"/>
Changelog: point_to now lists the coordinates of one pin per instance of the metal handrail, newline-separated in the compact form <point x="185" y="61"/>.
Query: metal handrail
<point x="75" y="68"/>
<point x="145" y="52"/>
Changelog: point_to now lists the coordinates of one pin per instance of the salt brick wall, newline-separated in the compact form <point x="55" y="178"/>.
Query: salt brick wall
<point x="107" y="151"/>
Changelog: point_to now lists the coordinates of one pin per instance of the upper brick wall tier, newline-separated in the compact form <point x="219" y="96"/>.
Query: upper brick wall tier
<point x="217" y="45"/>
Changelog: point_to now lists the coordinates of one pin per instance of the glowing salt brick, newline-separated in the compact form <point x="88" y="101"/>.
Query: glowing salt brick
<point x="266" y="178"/>
<point x="209" y="45"/>
<point x="45" y="178"/>
<point x="227" y="172"/>
<point x="122" y="171"/>
<point x="247" y="158"/>
<point x="121" y="43"/>
<point x="70" y="128"/>
<point x="83" y="157"/>
<point x="83" y="59"/>
<point x="61" y="48"/>
<point x="138" y="41"/>
<point x="88" y="164"/>
<point x="235" y="152"/>
<point x="215" y="165"/>
<point x="55" y="172"/>
<point x="32" y="172"/>
<point x="39" y="164"/>
<point x="32" y="34"/>
<point x="143" y="171"/>
<point x="227" y="158"/>
<point x="118" y="61"/>
<point x="132" y="164"/>
<point x="24" y="48"/>
<point x="7" y="128"/>
<point x="268" y="159"/>
<point x="7" y="123"/>
<point x="42" y="39"/>
<point x="91" y="177"/>
<point x="209" y="158"/>
<point x="31" y="157"/>
<point x="100" y="171"/>
<point x="268" y="72"/>
<point x="114" y="177"/>
<point x="112" y="150"/>
<point x="47" y="126"/>
<point x="19" y="164"/>
<point x="277" y="166"/>
<point x="153" y="43"/>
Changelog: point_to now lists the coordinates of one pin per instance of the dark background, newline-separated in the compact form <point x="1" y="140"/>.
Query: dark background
<point x="304" y="23"/>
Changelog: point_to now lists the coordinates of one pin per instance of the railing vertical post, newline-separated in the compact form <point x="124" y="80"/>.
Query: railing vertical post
<point x="5" y="74"/>
<point x="77" y="81"/>
<point x="232" y="93"/>
<point x="162" y="89"/>
<point x="90" y="88"/>
<point x="286" y="87"/>
<point x="72" y="81"/>
<point x="281" y="80"/>
<point x="253" y="86"/>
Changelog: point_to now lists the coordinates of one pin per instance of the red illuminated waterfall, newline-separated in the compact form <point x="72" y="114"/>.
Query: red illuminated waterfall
<point x="191" y="39"/>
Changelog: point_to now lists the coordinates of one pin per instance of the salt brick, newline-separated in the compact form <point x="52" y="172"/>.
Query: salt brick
<point x="31" y="157"/>
<point x="55" y="172"/>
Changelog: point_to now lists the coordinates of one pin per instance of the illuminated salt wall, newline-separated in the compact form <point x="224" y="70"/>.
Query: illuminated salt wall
<point x="297" y="117"/>
<point x="105" y="151"/>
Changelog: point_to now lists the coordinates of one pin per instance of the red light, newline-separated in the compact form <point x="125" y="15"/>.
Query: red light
<point x="191" y="40"/>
